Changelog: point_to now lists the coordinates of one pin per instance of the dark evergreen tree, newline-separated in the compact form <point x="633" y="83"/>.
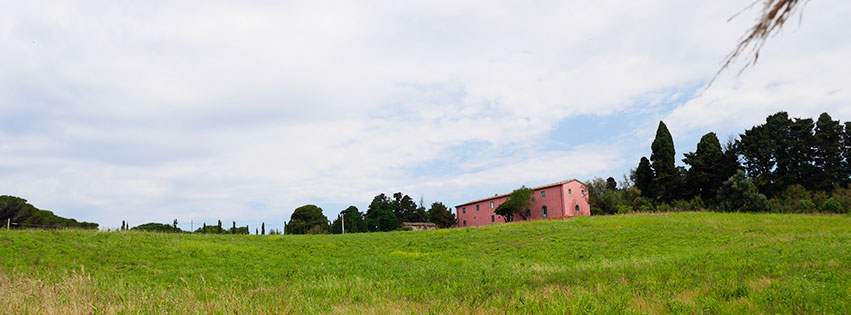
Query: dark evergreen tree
<point x="801" y="170"/>
<point x="441" y="216"/>
<point x="263" y="228"/>
<point x="828" y="153"/>
<point x="406" y="210"/>
<point x="643" y="177"/>
<point x="755" y="147"/>
<point x="307" y="219"/>
<point x="708" y="167"/>
<point x="353" y="219"/>
<point x="220" y="224"/>
<point x="611" y="184"/>
<point x="380" y="215"/>
<point x="174" y="224"/>
<point x="667" y="180"/>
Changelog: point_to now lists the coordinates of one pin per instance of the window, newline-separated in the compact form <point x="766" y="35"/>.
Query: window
<point x="477" y="207"/>
<point x="493" y="219"/>
<point x="528" y="213"/>
<point x="465" y="222"/>
<point x="491" y="204"/>
<point x="569" y="191"/>
<point x="464" y="210"/>
<point x="577" y="208"/>
<point x="543" y="194"/>
<point x="544" y="213"/>
<point x="583" y="193"/>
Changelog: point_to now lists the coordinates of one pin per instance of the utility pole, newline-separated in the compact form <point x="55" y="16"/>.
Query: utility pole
<point x="343" y="221"/>
<point x="191" y="226"/>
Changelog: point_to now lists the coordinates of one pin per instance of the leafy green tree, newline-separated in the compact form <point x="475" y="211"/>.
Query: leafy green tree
<point x="440" y="215"/>
<point x="708" y="168"/>
<point x="828" y="153"/>
<point x="305" y="219"/>
<point x="519" y="203"/>
<point x="739" y="194"/>
<point x="643" y="177"/>
<point x="380" y="216"/>
<point x="406" y="210"/>
<point x="602" y="198"/>
<point x="667" y="181"/>
<point x="353" y="219"/>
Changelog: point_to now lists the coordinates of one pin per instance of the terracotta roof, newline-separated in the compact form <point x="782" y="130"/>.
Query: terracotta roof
<point x="536" y="188"/>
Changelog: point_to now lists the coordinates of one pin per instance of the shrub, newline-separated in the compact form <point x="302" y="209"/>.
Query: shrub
<point x="843" y="196"/>
<point x="777" y="205"/>
<point x="819" y="198"/>
<point x="806" y="206"/>
<point x="739" y="193"/>
<point x="832" y="206"/>
<point x="624" y="209"/>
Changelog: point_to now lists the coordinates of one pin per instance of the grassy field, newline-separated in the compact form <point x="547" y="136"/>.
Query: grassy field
<point x="672" y="263"/>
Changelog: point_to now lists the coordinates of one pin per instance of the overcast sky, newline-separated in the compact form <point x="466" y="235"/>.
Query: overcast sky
<point x="203" y="110"/>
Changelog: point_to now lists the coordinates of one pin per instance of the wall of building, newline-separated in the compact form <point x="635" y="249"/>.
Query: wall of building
<point x="560" y="200"/>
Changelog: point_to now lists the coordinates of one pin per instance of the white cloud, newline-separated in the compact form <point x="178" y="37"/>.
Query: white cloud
<point x="147" y="111"/>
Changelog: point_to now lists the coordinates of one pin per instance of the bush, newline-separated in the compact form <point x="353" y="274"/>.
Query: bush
<point x="819" y="198"/>
<point x="832" y="206"/>
<point x="777" y="205"/>
<point x="806" y="206"/>
<point x="843" y="196"/>
<point x="739" y="193"/>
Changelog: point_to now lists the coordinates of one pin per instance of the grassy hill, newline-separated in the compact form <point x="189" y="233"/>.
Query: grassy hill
<point x="681" y="263"/>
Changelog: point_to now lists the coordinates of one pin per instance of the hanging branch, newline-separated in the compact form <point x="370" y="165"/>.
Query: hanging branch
<point x="775" y="13"/>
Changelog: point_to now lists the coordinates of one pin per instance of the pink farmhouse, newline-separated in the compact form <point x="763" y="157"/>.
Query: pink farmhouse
<point x="562" y="199"/>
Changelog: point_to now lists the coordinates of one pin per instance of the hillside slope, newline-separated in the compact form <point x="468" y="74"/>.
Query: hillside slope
<point x="683" y="263"/>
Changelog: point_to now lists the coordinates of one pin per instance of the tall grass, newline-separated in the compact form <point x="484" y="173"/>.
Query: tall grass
<point x="672" y="263"/>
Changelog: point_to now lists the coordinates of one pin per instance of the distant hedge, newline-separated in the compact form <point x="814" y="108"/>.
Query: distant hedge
<point x="157" y="227"/>
<point x="25" y="215"/>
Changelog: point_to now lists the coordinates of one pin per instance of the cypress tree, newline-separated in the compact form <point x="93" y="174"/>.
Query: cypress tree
<point x="263" y="228"/>
<point x="643" y="177"/>
<point x="828" y="152"/>
<point x="666" y="183"/>
<point x="707" y="171"/>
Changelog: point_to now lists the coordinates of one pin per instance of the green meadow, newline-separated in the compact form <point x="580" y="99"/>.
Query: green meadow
<point x="645" y="263"/>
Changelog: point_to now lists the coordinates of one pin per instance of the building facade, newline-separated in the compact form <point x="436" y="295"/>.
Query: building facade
<point x="563" y="199"/>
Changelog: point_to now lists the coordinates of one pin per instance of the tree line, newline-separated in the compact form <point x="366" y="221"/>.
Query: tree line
<point x="19" y="214"/>
<point x="784" y="165"/>
<point x="385" y="213"/>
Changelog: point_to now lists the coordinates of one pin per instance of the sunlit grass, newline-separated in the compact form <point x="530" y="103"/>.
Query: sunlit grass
<point x="673" y="263"/>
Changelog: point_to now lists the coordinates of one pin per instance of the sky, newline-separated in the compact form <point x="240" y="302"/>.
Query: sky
<point x="243" y="111"/>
